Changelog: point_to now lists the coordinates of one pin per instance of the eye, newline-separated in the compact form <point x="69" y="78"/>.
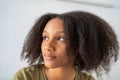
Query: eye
<point x="45" y="38"/>
<point x="60" y="38"/>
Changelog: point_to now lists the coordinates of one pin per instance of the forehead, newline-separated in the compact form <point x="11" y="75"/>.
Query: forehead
<point x="55" y="24"/>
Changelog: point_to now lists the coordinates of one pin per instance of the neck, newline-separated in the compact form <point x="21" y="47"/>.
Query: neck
<point x="60" y="73"/>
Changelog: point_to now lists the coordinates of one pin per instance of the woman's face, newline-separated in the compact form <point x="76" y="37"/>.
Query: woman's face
<point x="54" y="45"/>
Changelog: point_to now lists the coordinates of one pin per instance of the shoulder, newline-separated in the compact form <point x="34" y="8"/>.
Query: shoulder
<point x="28" y="73"/>
<point x="84" y="76"/>
<point x="87" y="76"/>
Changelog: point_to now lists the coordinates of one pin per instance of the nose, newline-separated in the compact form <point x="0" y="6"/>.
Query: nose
<point x="49" y="46"/>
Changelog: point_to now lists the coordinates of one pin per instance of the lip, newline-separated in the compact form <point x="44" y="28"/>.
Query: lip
<point x="49" y="57"/>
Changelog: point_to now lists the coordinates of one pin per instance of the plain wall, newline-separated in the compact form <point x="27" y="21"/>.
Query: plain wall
<point x="18" y="16"/>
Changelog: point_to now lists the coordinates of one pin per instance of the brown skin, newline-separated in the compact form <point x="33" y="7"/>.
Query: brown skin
<point x="57" y="66"/>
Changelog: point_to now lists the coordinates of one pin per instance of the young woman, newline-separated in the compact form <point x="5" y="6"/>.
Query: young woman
<point x="67" y="46"/>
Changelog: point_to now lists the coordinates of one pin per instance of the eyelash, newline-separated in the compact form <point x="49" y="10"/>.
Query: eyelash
<point x="44" y="37"/>
<point x="59" y="38"/>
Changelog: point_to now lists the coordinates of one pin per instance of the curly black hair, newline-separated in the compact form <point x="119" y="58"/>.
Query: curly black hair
<point x="92" y="40"/>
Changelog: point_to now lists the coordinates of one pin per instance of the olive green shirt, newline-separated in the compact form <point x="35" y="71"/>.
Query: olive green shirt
<point x="37" y="73"/>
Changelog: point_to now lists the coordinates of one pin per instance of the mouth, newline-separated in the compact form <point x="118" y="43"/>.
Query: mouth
<point x="49" y="57"/>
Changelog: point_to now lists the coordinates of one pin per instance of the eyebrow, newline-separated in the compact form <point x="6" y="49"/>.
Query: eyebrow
<point x="56" y="32"/>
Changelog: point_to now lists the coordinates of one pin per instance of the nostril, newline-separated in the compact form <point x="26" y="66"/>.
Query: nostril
<point x="49" y="48"/>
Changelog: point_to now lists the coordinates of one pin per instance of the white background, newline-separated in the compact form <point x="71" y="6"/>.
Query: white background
<point x="18" y="16"/>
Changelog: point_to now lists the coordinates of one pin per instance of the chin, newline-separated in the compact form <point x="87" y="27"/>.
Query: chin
<point x="51" y="65"/>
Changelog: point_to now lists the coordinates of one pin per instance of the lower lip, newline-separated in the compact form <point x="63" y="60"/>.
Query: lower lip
<point x="49" y="58"/>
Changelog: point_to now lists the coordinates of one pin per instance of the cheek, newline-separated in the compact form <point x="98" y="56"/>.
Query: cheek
<point x="42" y="46"/>
<point x="62" y="51"/>
<point x="63" y="48"/>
